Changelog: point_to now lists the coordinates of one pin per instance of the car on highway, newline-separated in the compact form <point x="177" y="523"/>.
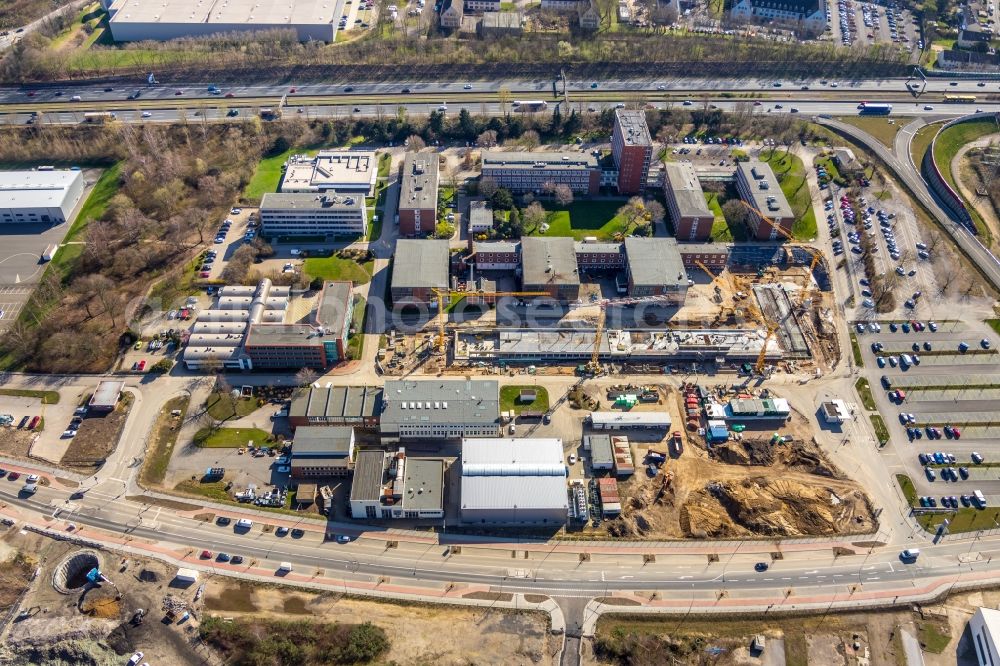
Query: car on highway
<point x="467" y="86"/>
<point x="342" y="538"/>
<point x="230" y="95"/>
<point x="147" y="114"/>
<point x="928" y="107"/>
<point x="761" y="566"/>
<point x="223" y="521"/>
<point x="281" y="531"/>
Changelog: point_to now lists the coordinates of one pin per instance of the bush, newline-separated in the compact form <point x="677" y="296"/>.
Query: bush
<point x="162" y="366"/>
<point x="365" y="642"/>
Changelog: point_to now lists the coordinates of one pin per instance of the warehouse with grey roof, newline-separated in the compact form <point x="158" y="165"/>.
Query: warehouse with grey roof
<point x="419" y="267"/>
<point x="549" y="265"/>
<point x="440" y="409"/>
<point x="655" y="268"/>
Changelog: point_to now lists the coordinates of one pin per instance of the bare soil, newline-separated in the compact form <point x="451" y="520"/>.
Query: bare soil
<point x="419" y="634"/>
<point x="97" y="437"/>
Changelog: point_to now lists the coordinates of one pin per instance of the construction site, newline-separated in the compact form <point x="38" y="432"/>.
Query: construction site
<point x="775" y="318"/>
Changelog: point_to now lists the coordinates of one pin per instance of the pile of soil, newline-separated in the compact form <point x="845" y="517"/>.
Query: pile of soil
<point x="804" y="456"/>
<point x="778" y="507"/>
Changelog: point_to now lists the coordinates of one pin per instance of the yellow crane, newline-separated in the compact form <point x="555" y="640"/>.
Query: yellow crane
<point x="759" y="365"/>
<point x="708" y="271"/>
<point x="777" y="227"/>
<point x="602" y="319"/>
<point x="441" y="294"/>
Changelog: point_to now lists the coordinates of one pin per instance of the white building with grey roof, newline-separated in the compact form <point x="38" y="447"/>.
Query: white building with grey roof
<point x="138" y="20"/>
<point x="394" y="485"/>
<point x="514" y="482"/>
<point x="759" y="188"/>
<point x="39" y="197"/>
<point x="328" y="214"/>
<point x="342" y="171"/>
<point x="530" y="172"/>
<point x="440" y="409"/>
<point x="549" y="265"/>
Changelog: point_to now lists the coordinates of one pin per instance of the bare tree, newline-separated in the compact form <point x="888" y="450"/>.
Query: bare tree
<point x="306" y="376"/>
<point x="563" y="194"/>
<point x="415" y="144"/>
<point x="487" y="186"/>
<point x="533" y="216"/>
<point x="487" y="139"/>
<point x="656" y="211"/>
<point x="530" y="140"/>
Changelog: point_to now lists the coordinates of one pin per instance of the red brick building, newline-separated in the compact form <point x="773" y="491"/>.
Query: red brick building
<point x="632" y="149"/>
<point x="418" y="194"/>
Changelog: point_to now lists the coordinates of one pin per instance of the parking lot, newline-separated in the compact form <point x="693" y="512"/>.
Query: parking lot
<point x="852" y="23"/>
<point x="948" y="402"/>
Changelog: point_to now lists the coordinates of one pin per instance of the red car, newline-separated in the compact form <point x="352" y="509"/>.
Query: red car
<point x="31" y="93"/>
<point x="206" y="554"/>
<point x="178" y="92"/>
<point x="34" y="422"/>
<point x="956" y="433"/>
<point x="141" y="366"/>
<point x="204" y="274"/>
<point x="230" y="95"/>
<point x="13" y="476"/>
<point x="291" y="90"/>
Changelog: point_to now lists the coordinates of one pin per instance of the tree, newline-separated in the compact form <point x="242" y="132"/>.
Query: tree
<point x="530" y="140"/>
<point x="415" y="144"/>
<point x="305" y="377"/>
<point x="656" y="211"/>
<point x="444" y="230"/>
<point x="633" y="213"/>
<point x="502" y="199"/>
<point x="563" y="194"/>
<point x="487" y="187"/>
<point x="466" y="125"/>
<point x="503" y="95"/>
<point x="487" y="139"/>
<point x="736" y="213"/>
<point x="534" y="216"/>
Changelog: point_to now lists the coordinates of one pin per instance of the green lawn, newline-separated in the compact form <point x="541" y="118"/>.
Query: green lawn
<point x="215" y="490"/>
<point x="338" y="268"/>
<point x="105" y="188"/>
<point x="865" y="393"/>
<point x="384" y="164"/>
<point x="921" y="141"/>
<point x="267" y="176"/>
<point x="949" y="142"/>
<point x="230" y="438"/>
<point x="165" y="433"/>
<point x="722" y="232"/>
<point x="222" y="406"/>
<point x="906" y="485"/>
<point x="356" y="342"/>
<point x="994" y="324"/>
<point x="881" y="431"/>
<point x="509" y="401"/>
<point x="934" y="635"/>
<point x="879" y="127"/>
<point x="47" y="397"/>
<point x="966" y="519"/>
<point x="856" y="351"/>
<point x="791" y="173"/>
<point x="584" y="218"/>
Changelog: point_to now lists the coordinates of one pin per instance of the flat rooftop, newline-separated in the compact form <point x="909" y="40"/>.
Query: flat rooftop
<point x="418" y="188"/>
<point x="549" y="261"/>
<point x="330" y="170"/>
<point x="455" y="401"/>
<point x="764" y="189"/>
<point x="420" y="263"/>
<point x="334" y="306"/>
<point x="328" y="440"/>
<point x="423" y="480"/>
<point x="655" y="262"/>
<point x="541" y="160"/>
<point x="35" y="189"/>
<point x="633" y="126"/>
<point x="292" y="201"/>
<point x="369" y="467"/>
<point x="264" y="335"/>
<point x="338" y="402"/>
<point x="682" y="181"/>
<point x="286" y="12"/>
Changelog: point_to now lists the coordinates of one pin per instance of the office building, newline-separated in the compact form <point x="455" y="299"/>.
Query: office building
<point x="686" y="206"/>
<point x="532" y="172"/>
<point x="355" y="406"/>
<point x="790" y="11"/>
<point x="139" y="20"/>
<point x="655" y="268"/>
<point x="246" y="329"/>
<point x="418" y="194"/>
<point x="46" y="196"/>
<point x="514" y="482"/>
<point x="418" y="268"/>
<point x="549" y="265"/>
<point x="497" y="255"/>
<point x="984" y="630"/>
<point x="393" y="485"/>
<point x="322" y="451"/>
<point x="346" y="172"/>
<point x="440" y="409"/>
<point x="759" y="189"/>
<point x="480" y="217"/>
<point x="329" y="215"/>
<point x="632" y="150"/>
<point x="105" y="398"/>
<point x="596" y="257"/>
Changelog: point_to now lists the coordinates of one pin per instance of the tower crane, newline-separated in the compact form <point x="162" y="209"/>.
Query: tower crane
<point x="759" y="365"/>
<point x="441" y="294"/>
<point x="816" y="257"/>
<point x="602" y="320"/>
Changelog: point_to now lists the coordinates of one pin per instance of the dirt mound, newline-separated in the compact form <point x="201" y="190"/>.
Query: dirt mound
<point x="772" y="507"/>
<point x="804" y="456"/>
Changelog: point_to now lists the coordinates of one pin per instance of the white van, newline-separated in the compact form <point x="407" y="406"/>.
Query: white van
<point x="285" y="567"/>
<point x="980" y="498"/>
<point x="30" y="488"/>
<point x="910" y="554"/>
<point x="244" y="524"/>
